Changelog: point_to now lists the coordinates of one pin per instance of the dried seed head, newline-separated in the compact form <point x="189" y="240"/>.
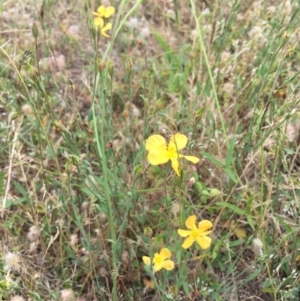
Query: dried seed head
<point x="27" y="109"/>
<point x="257" y="246"/>
<point x="132" y="22"/>
<point x="175" y="208"/>
<point x="17" y="298"/>
<point x="125" y="257"/>
<point x="106" y="3"/>
<point x="102" y="217"/>
<point x="84" y="251"/>
<point x="33" y="247"/>
<point x="34" y="233"/>
<point x="102" y="272"/>
<point x="73" y="239"/>
<point x="194" y="34"/>
<point x="73" y="30"/>
<point x="85" y="205"/>
<point x="228" y="88"/>
<point x="98" y="232"/>
<point x="145" y="32"/>
<point x="67" y="295"/>
<point x="291" y="131"/>
<point x="12" y="261"/>
<point x="191" y="181"/>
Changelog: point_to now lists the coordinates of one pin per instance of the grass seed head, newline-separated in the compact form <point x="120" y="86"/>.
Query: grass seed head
<point x="12" y="261"/>
<point x="17" y="298"/>
<point x="74" y="239"/>
<point x="67" y="295"/>
<point x="257" y="246"/>
<point x="27" y="109"/>
<point x="33" y="234"/>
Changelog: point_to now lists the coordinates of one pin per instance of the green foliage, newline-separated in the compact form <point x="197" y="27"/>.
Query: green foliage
<point x="80" y="202"/>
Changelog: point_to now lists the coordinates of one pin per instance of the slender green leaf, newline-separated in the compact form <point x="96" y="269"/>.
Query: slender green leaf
<point x="228" y="160"/>
<point x="231" y="175"/>
<point x="212" y="159"/>
<point x="231" y="207"/>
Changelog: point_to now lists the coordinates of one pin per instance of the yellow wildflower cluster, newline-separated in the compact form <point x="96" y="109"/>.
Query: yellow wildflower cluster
<point x="194" y="233"/>
<point x="159" y="152"/>
<point x="101" y="14"/>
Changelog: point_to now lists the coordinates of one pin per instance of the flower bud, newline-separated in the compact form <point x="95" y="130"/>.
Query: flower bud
<point x="148" y="231"/>
<point x="145" y="77"/>
<point x="129" y="64"/>
<point x="111" y="68"/>
<point x="191" y="181"/>
<point x="35" y="30"/>
<point x="101" y="66"/>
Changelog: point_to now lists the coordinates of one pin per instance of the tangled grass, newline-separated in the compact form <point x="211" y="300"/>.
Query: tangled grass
<point x="85" y="214"/>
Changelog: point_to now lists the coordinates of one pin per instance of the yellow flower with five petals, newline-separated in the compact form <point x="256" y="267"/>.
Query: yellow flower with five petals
<point x="160" y="152"/>
<point x="104" y="12"/>
<point x="160" y="260"/>
<point x="198" y="234"/>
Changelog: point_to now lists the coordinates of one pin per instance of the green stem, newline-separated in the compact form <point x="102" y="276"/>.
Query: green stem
<point x="203" y="50"/>
<point x="103" y="159"/>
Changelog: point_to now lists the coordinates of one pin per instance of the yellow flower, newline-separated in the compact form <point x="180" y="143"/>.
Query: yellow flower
<point x="103" y="12"/>
<point x="160" y="152"/>
<point x="160" y="260"/>
<point x="98" y="22"/>
<point x="198" y="234"/>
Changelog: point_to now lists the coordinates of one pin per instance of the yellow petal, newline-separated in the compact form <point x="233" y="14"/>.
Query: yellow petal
<point x="205" y="225"/>
<point x="190" y="222"/>
<point x="175" y="165"/>
<point x="203" y="241"/>
<point x="158" y="266"/>
<point x="104" y="29"/>
<point x="165" y="254"/>
<point x="96" y="14"/>
<point x="156" y="259"/>
<point x="146" y="260"/>
<point x="188" y="242"/>
<point x="98" y="22"/>
<point x="109" y="12"/>
<point x="178" y="141"/>
<point x="183" y="233"/>
<point x="168" y="265"/>
<point x="158" y="157"/>
<point x="156" y="142"/>
<point x="101" y="10"/>
<point x="191" y="158"/>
